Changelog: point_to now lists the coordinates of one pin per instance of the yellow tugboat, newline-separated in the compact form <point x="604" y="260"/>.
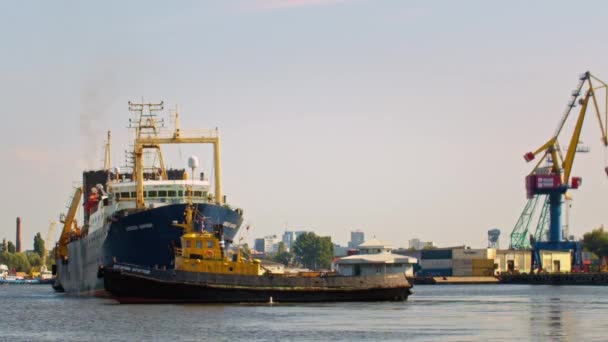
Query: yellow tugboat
<point x="204" y="273"/>
<point x="203" y="252"/>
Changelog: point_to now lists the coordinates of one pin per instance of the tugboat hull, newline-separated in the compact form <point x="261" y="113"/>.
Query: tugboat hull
<point x="132" y="284"/>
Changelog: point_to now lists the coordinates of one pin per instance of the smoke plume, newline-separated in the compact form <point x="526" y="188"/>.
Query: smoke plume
<point x="96" y="97"/>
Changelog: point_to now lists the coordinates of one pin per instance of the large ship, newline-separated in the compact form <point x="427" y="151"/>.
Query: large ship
<point x="129" y="216"/>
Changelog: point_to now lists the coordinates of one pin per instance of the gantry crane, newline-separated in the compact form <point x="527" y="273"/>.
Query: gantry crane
<point x="549" y="184"/>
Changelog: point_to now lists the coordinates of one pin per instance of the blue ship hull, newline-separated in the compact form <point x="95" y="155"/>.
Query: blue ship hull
<point x="147" y="238"/>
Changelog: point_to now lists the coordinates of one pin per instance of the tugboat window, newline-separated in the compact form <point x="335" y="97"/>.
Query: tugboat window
<point x="172" y="193"/>
<point x="162" y="193"/>
<point x="199" y="244"/>
<point x="152" y="194"/>
<point x="180" y="193"/>
<point x="188" y="243"/>
<point x="209" y="244"/>
<point x="125" y="195"/>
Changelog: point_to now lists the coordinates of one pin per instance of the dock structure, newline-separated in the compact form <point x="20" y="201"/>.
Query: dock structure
<point x="555" y="279"/>
<point x="469" y="280"/>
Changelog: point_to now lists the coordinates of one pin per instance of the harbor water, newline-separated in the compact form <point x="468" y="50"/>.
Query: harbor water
<point x="432" y="313"/>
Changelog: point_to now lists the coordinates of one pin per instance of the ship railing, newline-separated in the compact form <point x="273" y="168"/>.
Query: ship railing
<point x="169" y="133"/>
<point x="178" y="251"/>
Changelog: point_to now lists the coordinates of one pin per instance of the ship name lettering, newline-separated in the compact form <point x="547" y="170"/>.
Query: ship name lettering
<point x="139" y="270"/>
<point x="229" y="224"/>
<point x="141" y="226"/>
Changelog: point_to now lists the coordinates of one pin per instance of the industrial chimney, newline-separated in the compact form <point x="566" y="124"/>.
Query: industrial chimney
<point x="18" y="237"/>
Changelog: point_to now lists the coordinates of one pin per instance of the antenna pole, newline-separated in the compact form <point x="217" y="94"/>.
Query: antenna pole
<point x="218" y="171"/>
<point x="108" y="160"/>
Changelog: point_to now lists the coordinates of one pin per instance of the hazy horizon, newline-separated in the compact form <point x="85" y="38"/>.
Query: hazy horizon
<point x="404" y="119"/>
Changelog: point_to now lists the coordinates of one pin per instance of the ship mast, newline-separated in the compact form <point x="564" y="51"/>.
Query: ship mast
<point x="146" y="125"/>
<point x="143" y="142"/>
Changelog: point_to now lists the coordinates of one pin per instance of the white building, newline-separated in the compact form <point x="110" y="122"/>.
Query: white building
<point x="267" y="244"/>
<point x="3" y="271"/>
<point x="375" y="258"/>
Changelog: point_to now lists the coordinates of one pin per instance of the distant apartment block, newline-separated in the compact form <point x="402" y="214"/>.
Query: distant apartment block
<point x="357" y="237"/>
<point x="267" y="244"/>
<point x="258" y="245"/>
<point x="290" y="236"/>
<point x="418" y="245"/>
<point x="340" y="251"/>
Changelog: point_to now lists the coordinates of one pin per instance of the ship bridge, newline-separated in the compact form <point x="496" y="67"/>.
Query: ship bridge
<point x="164" y="191"/>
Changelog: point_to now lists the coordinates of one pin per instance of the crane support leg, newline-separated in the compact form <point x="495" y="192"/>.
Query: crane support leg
<point x="575" y="248"/>
<point x="555" y="209"/>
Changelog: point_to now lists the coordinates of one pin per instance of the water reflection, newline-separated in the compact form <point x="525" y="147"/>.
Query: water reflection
<point x="434" y="313"/>
<point x="555" y="324"/>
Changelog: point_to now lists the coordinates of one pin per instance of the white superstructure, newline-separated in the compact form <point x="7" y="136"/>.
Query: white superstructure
<point x="157" y="193"/>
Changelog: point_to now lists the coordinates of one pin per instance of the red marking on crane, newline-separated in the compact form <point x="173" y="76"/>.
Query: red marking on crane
<point x="529" y="156"/>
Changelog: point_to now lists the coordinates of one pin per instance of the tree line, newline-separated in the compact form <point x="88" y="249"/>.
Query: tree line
<point x="309" y="250"/>
<point x="596" y="242"/>
<point x="24" y="261"/>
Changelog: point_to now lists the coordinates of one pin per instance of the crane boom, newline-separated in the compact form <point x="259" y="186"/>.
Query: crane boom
<point x="574" y="140"/>
<point x="68" y="221"/>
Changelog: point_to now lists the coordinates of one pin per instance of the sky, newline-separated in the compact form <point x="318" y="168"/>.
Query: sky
<point x="404" y="119"/>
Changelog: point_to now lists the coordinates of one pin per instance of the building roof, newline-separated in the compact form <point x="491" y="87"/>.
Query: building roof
<point x="385" y="258"/>
<point x="373" y="243"/>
